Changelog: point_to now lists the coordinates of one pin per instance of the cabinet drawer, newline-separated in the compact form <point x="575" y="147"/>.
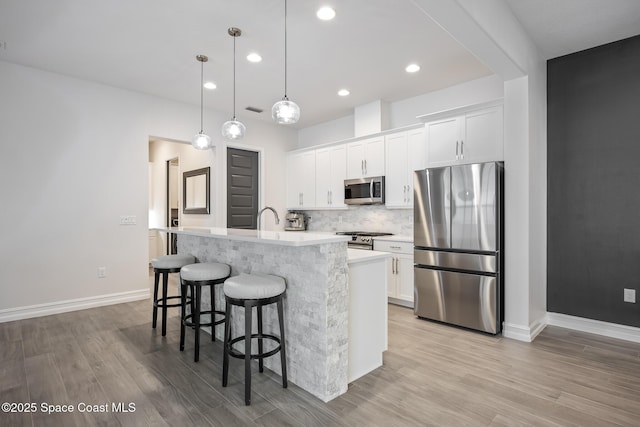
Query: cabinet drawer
<point x="396" y="247"/>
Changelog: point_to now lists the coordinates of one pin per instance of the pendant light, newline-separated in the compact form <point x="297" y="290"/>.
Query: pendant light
<point x="285" y="112"/>
<point x="201" y="141"/>
<point x="233" y="129"/>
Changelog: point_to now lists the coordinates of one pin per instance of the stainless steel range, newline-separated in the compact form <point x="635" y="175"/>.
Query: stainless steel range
<point x="361" y="239"/>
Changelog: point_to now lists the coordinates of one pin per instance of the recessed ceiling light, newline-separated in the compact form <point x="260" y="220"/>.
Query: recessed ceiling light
<point x="412" y="68"/>
<point x="210" y="85"/>
<point x="326" y="13"/>
<point x="343" y="92"/>
<point x="254" y="57"/>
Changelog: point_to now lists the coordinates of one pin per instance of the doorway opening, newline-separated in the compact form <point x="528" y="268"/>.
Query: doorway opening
<point x="173" y="202"/>
<point x="242" y="188"/>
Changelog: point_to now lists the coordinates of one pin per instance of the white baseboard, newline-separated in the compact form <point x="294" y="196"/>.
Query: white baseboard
<point x="47" y="309"/>
<point x="612" y="330"/>
<point x="523" y="333"/>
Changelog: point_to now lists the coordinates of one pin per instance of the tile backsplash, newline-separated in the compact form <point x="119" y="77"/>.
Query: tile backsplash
<point x="362" y="218"/>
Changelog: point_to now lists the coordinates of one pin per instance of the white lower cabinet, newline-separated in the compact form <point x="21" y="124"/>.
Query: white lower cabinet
<point x="400" y="271"/>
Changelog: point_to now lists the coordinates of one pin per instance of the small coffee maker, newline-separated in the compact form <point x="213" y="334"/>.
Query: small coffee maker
<point x="295" y="221"/>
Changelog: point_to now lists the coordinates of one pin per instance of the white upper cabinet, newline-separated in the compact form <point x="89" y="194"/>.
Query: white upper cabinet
<point x="404" y="153"/>
<point x="331" y="171"/>
<point x="473" y="137"/>
<point x="301" y="180"/>
<point x="365" y="158"/>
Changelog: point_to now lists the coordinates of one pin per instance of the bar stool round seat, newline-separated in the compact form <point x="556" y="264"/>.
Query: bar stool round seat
<point x="194" y="277"/>
<point x="163" y="265"/>
<point x="248" y="291"/>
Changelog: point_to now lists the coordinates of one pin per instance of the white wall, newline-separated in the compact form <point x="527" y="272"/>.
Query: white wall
<point x="75" y="158"/>
<point x="510" y="52"/>
<point x="404" y="112"/>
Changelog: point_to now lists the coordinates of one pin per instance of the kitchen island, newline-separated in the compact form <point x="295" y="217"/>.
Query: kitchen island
<point x="318" y="308"/>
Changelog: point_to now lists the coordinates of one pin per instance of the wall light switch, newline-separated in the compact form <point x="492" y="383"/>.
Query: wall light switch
<point x="128" y="220"/>
<point x="102" y="272"/>
<point x="630" y="295"/>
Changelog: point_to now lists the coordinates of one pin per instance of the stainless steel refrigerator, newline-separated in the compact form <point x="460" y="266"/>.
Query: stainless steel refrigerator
<point x="458" y="238"/>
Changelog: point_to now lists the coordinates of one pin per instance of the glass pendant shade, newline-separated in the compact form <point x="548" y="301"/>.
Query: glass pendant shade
<point x="201" y="141"/>
<point x="233" y="129"/>
<point x="285" y="112"/>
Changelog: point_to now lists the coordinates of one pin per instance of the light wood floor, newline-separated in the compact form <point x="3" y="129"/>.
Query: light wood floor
<point x="432" y="375"/>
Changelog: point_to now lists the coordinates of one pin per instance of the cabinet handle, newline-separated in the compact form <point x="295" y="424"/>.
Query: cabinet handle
<point x="362" y="167"/>
<point x="397" y="260"/>
<point x="393" y="266"/>
<point x="300" y="199"/>
<point x="457" y="150"/>
<point x="365" y="167"/>
<point x="395" y="247"/>
<point x="462" y="150"/>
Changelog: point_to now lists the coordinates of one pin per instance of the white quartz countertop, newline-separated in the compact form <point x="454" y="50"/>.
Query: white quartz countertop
<point x="361" y="255"/>
<point x="286" y="238"/>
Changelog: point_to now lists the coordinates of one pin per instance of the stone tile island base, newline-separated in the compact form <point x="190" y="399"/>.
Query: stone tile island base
<point x="315" y="308"/>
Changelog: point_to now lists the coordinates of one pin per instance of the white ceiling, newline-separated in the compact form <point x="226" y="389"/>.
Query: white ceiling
<point x="561" y="27"/>
<point x="150" y="46"/>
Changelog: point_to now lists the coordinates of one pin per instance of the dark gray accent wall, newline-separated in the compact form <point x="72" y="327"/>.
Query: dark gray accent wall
<point x="594" y="182"/>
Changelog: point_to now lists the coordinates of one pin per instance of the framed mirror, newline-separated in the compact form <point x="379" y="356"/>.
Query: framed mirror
<point x="195" y="191"/>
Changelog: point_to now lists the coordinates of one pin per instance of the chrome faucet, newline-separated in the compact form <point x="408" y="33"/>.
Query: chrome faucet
<point x="264" y="209"/>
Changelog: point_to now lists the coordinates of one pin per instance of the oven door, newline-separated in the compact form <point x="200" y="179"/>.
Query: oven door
<point x="364" y="191"/>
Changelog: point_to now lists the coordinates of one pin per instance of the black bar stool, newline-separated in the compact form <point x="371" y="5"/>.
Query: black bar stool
<point x="164" y="265"/>
<point x="248" y="291"/>
<point x="195" y="276"/>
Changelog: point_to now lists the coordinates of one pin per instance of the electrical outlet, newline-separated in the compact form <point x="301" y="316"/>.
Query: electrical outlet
<point x="630" y="295"/>
<point x="128" y="220"/>
<point x="102" y="272"/>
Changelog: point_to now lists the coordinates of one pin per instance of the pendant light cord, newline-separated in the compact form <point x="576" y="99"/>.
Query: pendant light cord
<point x="285" y="49"/>
<point x="234" y="77"/>
<point x="201" y="96"/>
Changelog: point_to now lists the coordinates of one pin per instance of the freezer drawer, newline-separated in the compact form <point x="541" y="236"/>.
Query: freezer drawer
<point x="456" y="260"/>
<point x="469" y="300"/>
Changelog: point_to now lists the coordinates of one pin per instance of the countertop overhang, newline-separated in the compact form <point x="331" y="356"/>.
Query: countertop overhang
<point x="287" y="238"/>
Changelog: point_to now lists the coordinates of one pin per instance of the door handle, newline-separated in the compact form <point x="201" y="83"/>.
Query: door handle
<point x="457" y="150"/>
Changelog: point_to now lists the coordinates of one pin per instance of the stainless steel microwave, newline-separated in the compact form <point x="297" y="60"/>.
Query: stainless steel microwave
<point x="364" y="191"/>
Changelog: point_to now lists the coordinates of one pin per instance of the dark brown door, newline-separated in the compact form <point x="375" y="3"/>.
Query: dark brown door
<point x="242" y="188"/>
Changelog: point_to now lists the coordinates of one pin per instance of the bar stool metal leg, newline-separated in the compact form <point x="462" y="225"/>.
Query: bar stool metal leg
<point x="165" y="289"/>
<point x="156" y="282"/>
<point x="183" y="312"/>
<point x="196" y="320"/>
<point x="227" y="338"/>
<point x="247" y="352"/>
<point x="260" y="361"/>
<point x="283" y="352"/>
